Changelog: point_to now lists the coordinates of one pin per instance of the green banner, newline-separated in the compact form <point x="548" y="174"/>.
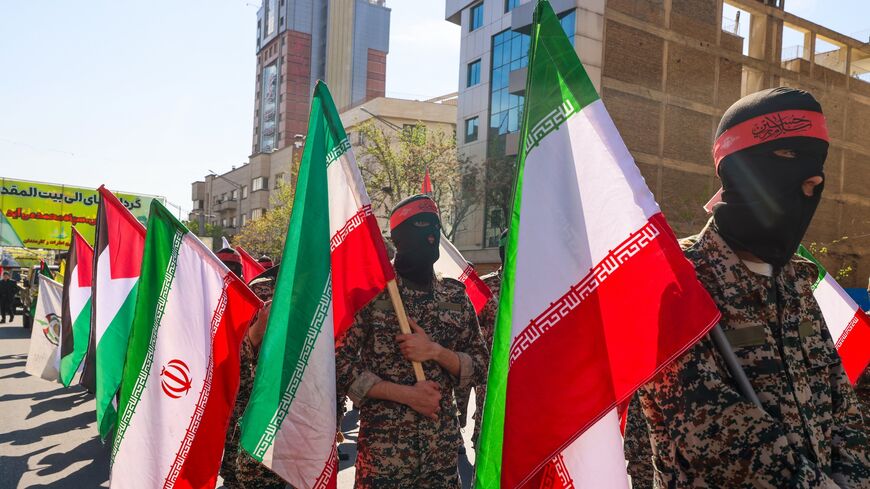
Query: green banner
<point x="40" y="215"/>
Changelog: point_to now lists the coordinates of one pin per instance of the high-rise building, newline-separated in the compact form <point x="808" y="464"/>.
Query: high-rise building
<point x="343" y="42"/>
<point x="666" y="71"/>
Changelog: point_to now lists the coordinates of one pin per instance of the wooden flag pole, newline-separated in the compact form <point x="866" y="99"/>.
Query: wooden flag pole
<point x="403" y="323"/>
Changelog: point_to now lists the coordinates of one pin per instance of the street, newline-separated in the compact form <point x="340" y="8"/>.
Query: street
<point x="48" y="434"/>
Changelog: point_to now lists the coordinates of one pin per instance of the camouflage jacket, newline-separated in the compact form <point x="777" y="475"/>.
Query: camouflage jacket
<point x="394" y="440"/>
<point x="809" y="433"/>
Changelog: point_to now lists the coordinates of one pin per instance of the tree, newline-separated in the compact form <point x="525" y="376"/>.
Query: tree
<point x="266" y="234"/>
<point x="214" y="231"/>
<point x="393" y="164"/>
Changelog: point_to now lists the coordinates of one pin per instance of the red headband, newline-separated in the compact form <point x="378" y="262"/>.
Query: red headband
<point x="412" y="209"/>
<point x="229" y="257"/>
<point x="770" y="127"/>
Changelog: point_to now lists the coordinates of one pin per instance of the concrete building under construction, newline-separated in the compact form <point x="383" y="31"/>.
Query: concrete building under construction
<point x="667" y="70"/>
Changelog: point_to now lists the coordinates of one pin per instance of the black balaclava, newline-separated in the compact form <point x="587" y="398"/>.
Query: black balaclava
<point x="416" y="231"/>
<point x="763" y="209"/>
<point x="502" y="241"/>
<point x="231" y="259"/>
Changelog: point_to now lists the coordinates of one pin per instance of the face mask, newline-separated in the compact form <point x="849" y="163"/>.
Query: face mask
<point x="764" y="210"/>
<point x="417" y="240"/>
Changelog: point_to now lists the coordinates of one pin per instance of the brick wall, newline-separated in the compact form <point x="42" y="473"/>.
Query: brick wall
<point x="376" y="74"/>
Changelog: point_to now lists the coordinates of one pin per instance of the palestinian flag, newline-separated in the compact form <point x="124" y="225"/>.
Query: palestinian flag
<point x="182" y="369"/>
<point x="42" y="359"/>
<point x="848" y="324"/>
<point x="586" y="239"/>
<point x="334" y="262"/>
<point x="76" y="318"/>
<point x="119" y="243"/>
<point x="250" y="267"/>
<point x="452" y="264"/>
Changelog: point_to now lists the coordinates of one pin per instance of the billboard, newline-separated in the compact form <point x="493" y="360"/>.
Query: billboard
<point x="40" y="215"/>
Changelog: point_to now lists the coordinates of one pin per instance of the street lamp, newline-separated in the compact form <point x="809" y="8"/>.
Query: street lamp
<point x="238" y="200"/>
<point x="388" y="123"/>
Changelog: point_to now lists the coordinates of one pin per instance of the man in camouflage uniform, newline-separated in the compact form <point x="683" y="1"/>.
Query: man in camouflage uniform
<point x="409" y="434"/>
<point x="808" y="432"/>
<point x="237" y="468"/>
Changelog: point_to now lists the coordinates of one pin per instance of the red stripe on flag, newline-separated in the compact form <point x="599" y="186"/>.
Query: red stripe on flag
<point x="126" y="237"/>
<point x="854" y="346"/>
<point x="596" y="353"/>
<point x="203" y="458"/>
<point x="360" y="269"/>
<point x="477" y="291"/>
<point x="250" y="267"/>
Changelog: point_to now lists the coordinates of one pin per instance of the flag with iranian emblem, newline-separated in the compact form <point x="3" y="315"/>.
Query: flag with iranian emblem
<point x="848" y="324"/>
<point x="334" y="263"/>
<point x="75" y="328"/>
<point x="118" y="247"/>
<point x="181" y="372"/>
<point x="585" y="234"/>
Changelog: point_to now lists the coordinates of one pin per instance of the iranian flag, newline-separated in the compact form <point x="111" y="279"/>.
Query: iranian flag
<point x="75" y="328"/>
<point x="119" y="244"/>
<point x="334" y="262"/>
<point x="453" y="265"/>
<point x="250" y="267"/>
<point x="848" y="324"/>
<point x="597" y="295"/>
<point x="182" y="368"/>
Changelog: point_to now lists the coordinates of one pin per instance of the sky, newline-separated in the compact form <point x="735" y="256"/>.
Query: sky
<point x="149" y="96"/>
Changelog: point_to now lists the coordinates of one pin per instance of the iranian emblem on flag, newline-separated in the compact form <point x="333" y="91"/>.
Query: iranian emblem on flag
<point x="596" y="297"/>
<point x="181" y="372"/>
<point x="334" y="262"/>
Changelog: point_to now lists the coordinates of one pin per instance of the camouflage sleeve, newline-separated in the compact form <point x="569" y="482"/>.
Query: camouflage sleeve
<point x="472" y="351"/>
<point x="709" y="426"/>
<point x="850" y="459"/>
<point x="352" y="379"/>
<point x="638" y="450"/>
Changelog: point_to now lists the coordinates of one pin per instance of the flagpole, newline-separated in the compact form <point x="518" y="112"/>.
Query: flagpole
<point x="403" y="323"/>
<point x="724" y="347"/>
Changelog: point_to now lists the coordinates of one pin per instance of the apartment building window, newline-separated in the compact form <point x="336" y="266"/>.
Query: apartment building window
<point x="197" y="205"/>
<point x="224" y="197"/>
<point x="234" y="222"/>
<point x="476" y="17"/>
<point x="259" y="183"/>
<point x="279" y="179"/>
<point x="510" y="5"/>
<point x="234" y="195"/>
<point x="473" y="75"/>
<point x="244" y="191"/>
<point x="224" y="222"/>
<point x="471" y="129"/>
<point x="256" y="214"/>
<point x="244" y="219"/>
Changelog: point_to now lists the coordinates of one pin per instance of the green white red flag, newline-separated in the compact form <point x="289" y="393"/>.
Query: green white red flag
<point x="334" y="262"/>
<point x="250" y="267"/>
<point x="118" y="248"/>
<point x="42" y="359"/>
<point x="452" y="264"/>
<point x="848" y="324"/>
<point x="182" y="365"/>
<point x="597" y="295"/>
<point x="76" y="318"/>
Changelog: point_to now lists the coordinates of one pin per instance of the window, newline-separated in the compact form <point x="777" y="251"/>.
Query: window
<point x="471" y="129"/>
<point x="244" y="219"/>
<point x="256" y="214"/>
<point x="361" y="138"/>
<point x="224" y="222"/>
<point x="223" y="197"/>
<point x="279" y="179"/>
<point x="234" y="221"/>
<point x="473" y="76"/>
<point x="510" y="5"/>
<point x="476" y="17"/>
<point x="244" y="191"/>
<point x="259" y="183"/>
<point x="197" y="205"/>
<point x="234" y="195"/>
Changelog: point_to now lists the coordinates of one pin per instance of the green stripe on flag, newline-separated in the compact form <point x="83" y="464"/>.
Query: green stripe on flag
<point x="111" y="352"/>
<point x="557" y="87"/>
<point x="303" y="290"/>
<point x="162" y="242"/>
<point x="809" y="256"/>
